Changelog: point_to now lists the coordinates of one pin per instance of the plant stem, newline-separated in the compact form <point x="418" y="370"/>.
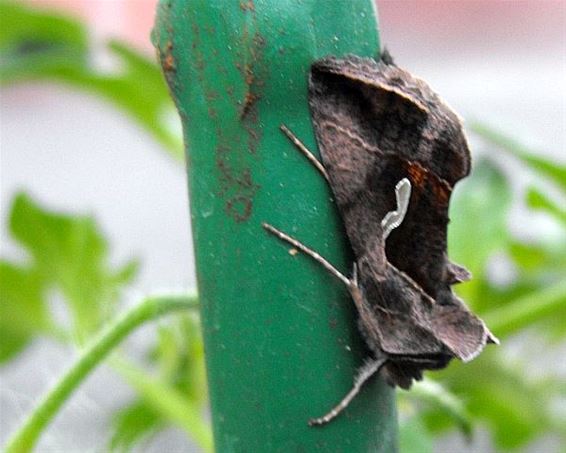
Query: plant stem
<point x="527" y="309"/>
<point x="151" y="308"/>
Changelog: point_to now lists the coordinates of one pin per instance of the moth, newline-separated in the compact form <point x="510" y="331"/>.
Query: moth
<point x="392" y="152"/>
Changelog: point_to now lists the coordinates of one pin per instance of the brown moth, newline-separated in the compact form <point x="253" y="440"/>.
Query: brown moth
<point x="391" y="153"/>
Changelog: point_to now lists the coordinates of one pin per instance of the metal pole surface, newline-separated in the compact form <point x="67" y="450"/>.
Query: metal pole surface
<point x="281" y="339"/>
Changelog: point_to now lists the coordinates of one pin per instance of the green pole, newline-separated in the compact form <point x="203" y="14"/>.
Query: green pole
<point x="281" y="340"/>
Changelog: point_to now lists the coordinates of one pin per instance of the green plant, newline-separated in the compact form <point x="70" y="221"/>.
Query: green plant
<point x="501" y="394"/>
<point x="68" y="254"/>
<point x="37" y="45"/>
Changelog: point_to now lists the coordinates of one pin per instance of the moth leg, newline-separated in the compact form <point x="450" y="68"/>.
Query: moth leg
<point x="394" y="218"/>
<point x="364" y="373"/>
<point x="305" y="151"/>
<point x="303" y="248"/>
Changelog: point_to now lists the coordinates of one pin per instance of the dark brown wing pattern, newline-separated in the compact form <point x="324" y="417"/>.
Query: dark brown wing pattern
<point x="375" y="125"/>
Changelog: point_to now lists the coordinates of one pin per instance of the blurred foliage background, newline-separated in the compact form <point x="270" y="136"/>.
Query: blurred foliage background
<point x="505" y="391"/>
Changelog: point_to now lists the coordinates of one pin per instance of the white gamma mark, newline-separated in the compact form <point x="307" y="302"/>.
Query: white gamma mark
<point x="394" y="218"/>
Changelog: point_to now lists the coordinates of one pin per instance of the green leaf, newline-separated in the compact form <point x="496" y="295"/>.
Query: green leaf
<point x="478" y="228"/>
<point x="539" y="201"/>
<point x="126" y="273"/>
<point x="92" y="355"/>
<point x="132" y="424"/>
<point x="528" y="257"/>
<point x="551" y="170"/>
<point x="546" y="303"/>
<point x="500" y="396"/>
<point x="33" y="41"/>
<point x="191" y="371"/>
<point x="172" y="404"/>
<point x="69" y="254"/>
<point x="540" y="263"/>
<point x="47" y="46"/>
<point x="22" y="310"/>
<point x="414" y="437"/>
<point x="433" y="394"/>
<point x="179" y="355"/>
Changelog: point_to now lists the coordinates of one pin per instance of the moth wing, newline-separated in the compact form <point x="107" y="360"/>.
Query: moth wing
<point x="392" y="110"/>
<point x="375" y="125"/>
<point x="350" y="119"/>
<point x="393" y="314"/>
<point x="460" y="330"/>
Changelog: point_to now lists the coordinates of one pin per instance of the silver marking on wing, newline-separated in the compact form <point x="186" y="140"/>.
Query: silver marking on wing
<point x="394" y="218"/>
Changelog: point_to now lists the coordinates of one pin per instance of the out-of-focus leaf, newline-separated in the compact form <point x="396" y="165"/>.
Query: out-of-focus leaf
<point x="22" y="310"/>
<point x="477" y="229"/>
<point x="433" y="394"/>
<point x="540" y="263"/>
<point x="194" y="360"/>
<point x="495" y="296"/>
<point x="551" y="170"/>
<point x="33" y="42"/>
<point x="69" y="254"/>
<point x="132" y="424"/>
<point x="179" y="357"/>
<point x="47" y="46"/>
<point x="126" y="273"/>
<point x="171" y="403"/>
<point x="499" y="395"/>
<point x="37" y="45"/>
<point x="529" y="257"/>
<point x="413" y="437"/>
<point x="537" y="200"/>
<point x="546" y="303"/>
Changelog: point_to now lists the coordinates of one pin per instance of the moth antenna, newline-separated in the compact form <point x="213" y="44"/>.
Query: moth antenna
<point x="394" y="218"/>
<point x="305" y="151"/>
<point x="303" y="248"/>
<point x="364" y="373"/>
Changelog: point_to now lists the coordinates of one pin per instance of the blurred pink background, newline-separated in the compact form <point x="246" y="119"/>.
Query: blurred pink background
<point x="497" y="52"/>
<point x="503" y="25"/>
